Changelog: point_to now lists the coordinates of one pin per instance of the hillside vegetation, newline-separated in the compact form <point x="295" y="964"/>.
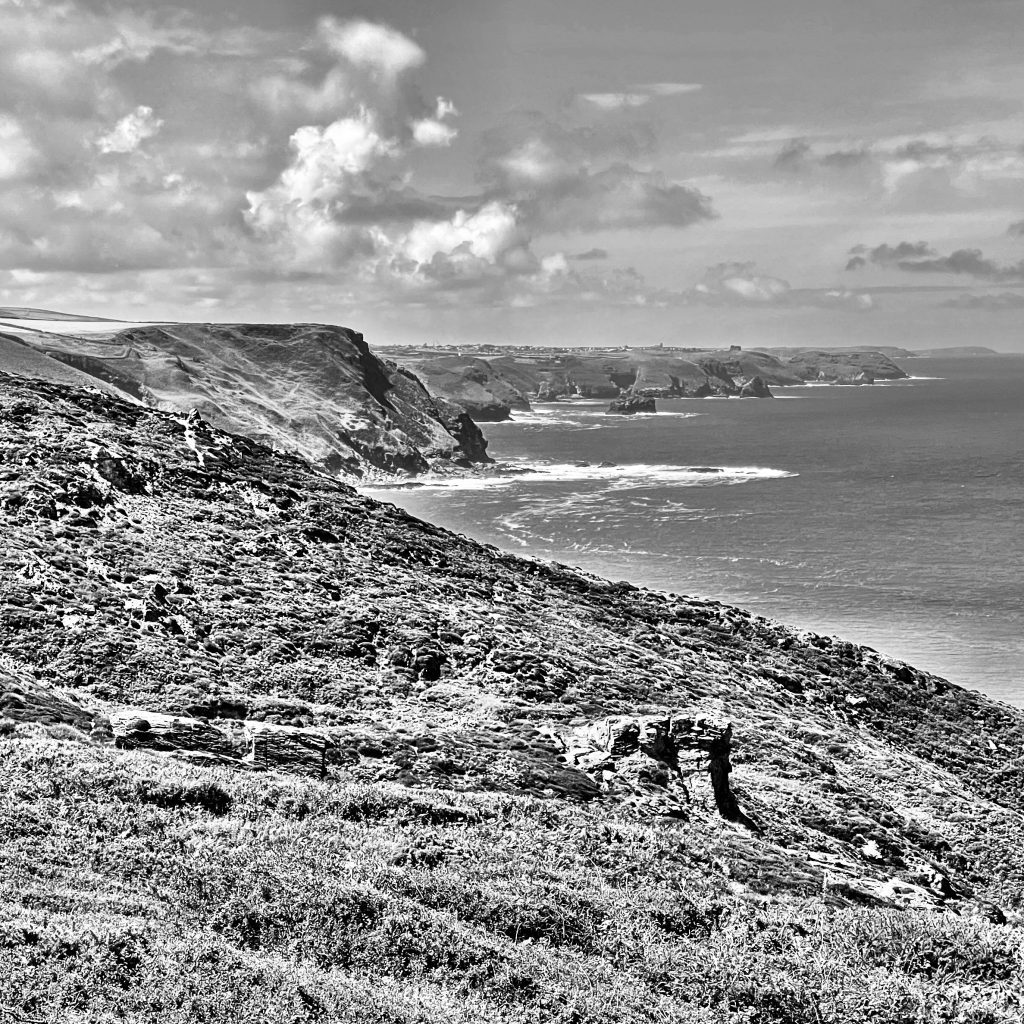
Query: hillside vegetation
<point x="273" y="750"/>
<point x="308" y="388"/>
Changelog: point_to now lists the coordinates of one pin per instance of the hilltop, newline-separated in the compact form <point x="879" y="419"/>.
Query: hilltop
<point x="314" y="389"/>
<point x="275" y="750"/>
<point x="490" y="383"/>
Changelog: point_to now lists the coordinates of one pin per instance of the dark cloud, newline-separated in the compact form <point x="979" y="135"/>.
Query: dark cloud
<point x="991" y="302"/>
<point x="793" y="155"/>
<point x="590" y="254"/>
<point x="580" y="177"/>
<point x="922" y="258"/>
<point x="619" y="196"/>
<point x="969" y="262"/>
<point x="1016" y="229"/>
<point x="798" y="155"/>
<point x="888" y="255"/>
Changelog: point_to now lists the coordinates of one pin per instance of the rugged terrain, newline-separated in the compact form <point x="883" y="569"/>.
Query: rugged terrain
<point x="274" y="750"/>
<point x="491" y="384"/>
<point x="309" y="388"/>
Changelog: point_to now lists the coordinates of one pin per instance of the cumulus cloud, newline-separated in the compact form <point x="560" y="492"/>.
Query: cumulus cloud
<point x="921" y="258"/>
<point x="929" y="167"/>
<point x="18" y="156"/>
<point x="374" y="47"/>
<point x="582" y="178"/>
<point x="164" y="141"/>
<point x="798" y="155"/>
<point x="740" y="284"/>
<point x="130" y="132"/>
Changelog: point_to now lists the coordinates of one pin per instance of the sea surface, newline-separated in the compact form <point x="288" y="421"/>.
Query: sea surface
<point x="892" y="515"/>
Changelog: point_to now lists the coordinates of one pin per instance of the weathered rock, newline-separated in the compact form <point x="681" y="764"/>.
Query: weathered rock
<point x="666" y="764"/>
<point x="755" y="388"/>
<point x="630" y="405"/>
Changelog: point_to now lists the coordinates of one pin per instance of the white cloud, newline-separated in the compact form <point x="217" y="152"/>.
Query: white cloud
<point x="739" y="282"/>
<point x="429" y="132"/>
<point x="289" y="161"/>
<point x="670" y="88"/>
<point x="616" y="100"/>
<point x="17" y="154"/>
<point x="130" y="132"/>
<point x="373" y="47"/>
<point x="638" y="95"/>
<point x="486" y="234"/>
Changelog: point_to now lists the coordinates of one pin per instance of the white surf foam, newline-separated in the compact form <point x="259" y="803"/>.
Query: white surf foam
<point x="581" y="416"/>
<point x="618" y="477"/>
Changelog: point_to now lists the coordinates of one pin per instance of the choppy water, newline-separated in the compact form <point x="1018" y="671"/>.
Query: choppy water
<point x="892" y="515"/>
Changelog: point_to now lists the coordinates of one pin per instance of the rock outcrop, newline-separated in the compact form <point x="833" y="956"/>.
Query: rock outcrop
<point x="755" y="388"/>
<point x="675" y="765"/>
<point x="631" y="404"/>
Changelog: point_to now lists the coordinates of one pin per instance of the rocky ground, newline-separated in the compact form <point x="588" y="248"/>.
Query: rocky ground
<point x="258" y="725"/>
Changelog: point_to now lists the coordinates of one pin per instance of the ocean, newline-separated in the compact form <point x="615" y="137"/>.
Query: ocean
<point x="892" y="515"/>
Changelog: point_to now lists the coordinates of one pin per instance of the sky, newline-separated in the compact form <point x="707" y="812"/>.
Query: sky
<point x="580" y="172"/>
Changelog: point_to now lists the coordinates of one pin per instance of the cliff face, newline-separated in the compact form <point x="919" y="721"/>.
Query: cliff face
<point x="270" y="749"/>
<point x="308" y="388"/>
<point x="479" y="387"/>
<point x="839" y="366"/>
<point x="491" y="386"/>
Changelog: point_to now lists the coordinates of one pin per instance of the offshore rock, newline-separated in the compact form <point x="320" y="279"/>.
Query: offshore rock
<point x="630" y="405"/>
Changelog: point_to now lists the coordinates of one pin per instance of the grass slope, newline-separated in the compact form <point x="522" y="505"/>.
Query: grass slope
<point x="452" y="858"/>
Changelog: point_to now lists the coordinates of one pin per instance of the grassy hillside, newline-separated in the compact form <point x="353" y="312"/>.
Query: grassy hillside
<point x="308" y="388"/>
<point x="273" y="750"/>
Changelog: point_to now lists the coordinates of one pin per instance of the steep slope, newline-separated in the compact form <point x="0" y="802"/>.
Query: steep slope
<point x="538" y="794"/>
<point x="479" y="387"/>
<point x="491" y="385"/>
<point x="839" y="365"/>
<point x="309" y="388"/>
<point x="498" y="384"/>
